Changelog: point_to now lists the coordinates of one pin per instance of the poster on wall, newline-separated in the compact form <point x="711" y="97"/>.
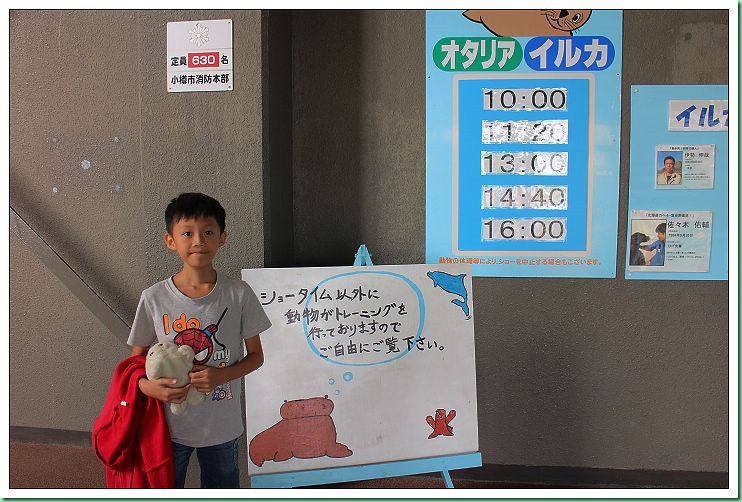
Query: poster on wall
<point x="522" y="131"/>
<point x="678" y="219"/>
<point x="363" y="365"/>
<point x="684" y="167"/>
<point x="199" y="56"/>
<point x="674" y="241"/>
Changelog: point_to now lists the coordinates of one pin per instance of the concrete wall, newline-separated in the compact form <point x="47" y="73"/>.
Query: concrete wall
<point x="586" y="373"/>
<point x="599" y="373"/>
<point x="98" y="148"/>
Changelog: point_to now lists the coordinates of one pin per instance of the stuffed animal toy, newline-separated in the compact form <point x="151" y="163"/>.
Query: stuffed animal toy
<point x="168" y="360"/>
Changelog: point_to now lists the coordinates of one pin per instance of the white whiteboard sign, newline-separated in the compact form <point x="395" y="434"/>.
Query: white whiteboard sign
<point x="362" y="365"/>
<point x="199" y="56"/>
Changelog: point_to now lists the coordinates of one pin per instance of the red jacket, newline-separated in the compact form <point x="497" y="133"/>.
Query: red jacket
<point x="131" y="436"/>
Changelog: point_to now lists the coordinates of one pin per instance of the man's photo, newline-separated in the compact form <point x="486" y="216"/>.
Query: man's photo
<point x="669" y="168"/>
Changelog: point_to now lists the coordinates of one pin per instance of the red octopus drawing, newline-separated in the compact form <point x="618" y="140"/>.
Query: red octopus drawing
<point x="440" y="423"/>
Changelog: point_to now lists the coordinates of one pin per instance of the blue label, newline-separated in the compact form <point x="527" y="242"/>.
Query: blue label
<point x="594" y="53"/>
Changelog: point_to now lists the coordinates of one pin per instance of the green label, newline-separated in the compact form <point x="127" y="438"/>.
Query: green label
<point x="477" y="54"/>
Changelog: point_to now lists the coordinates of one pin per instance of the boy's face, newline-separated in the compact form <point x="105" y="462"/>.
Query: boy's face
<point x="661" y="236"/>
<point x="196" y="240"/>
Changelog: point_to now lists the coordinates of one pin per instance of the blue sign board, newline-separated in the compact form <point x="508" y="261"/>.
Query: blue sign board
<point x="678" y="221"/>
<point x="522" y="143"/>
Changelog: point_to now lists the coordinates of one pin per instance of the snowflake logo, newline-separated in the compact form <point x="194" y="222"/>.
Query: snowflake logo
<point x="199" y="35"/>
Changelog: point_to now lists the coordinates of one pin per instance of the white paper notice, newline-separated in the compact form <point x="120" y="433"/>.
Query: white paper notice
<point x="670" y="241"/>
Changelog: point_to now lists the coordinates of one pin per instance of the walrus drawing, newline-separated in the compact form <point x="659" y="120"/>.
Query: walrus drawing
<point x="530" y="23"/>
<point x="305" y="431"/>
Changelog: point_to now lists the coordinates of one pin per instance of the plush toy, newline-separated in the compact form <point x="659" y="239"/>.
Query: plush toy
<point x="168" y="360"/>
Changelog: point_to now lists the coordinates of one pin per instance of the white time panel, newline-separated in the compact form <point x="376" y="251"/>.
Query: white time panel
<point x="525" y="99"/>
<point x="524" y="229"/>
<point x="529" y="163"/>
<point x="524" y="197"/>
<point x="525" y="131"/>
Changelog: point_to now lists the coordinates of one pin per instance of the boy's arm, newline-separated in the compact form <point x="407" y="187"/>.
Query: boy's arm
<point x="160" y="389"/>
<point x="206" y="378"/>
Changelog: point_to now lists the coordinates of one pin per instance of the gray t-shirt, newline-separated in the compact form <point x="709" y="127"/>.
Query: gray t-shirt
<point x="214" y="326"/>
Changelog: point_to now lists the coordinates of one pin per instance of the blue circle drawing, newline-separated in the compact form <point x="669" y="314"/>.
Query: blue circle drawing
<point x="331" y="381"/>
<point x="347" y="376"/>
<point x="413" y="286"/>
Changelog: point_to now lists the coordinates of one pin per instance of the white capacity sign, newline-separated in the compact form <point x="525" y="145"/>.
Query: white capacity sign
<point x="199" y="56"/>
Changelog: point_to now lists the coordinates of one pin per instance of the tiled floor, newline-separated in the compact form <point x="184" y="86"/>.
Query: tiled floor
<point x="55" y="466"/>
<point x="42" y="459"/>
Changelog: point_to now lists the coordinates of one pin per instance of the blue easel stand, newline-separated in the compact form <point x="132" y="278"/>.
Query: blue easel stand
<point x="369" y="471"/>
<point x="363" y="257"/>
<point x="447" y="479"/>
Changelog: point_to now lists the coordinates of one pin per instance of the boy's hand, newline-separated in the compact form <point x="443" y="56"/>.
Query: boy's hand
<point x="205" y="378"/>
<point x="161" y="389"/>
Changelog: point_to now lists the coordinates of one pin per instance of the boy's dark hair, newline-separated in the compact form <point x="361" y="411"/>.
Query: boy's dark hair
<point x="662" y="227"/>
<point x="669" y="157"/>
<point x="194" y="205"/>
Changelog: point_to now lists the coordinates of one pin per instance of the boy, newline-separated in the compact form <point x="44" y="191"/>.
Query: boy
<point x="213" y="314"/>
<point x="658" y="245"/>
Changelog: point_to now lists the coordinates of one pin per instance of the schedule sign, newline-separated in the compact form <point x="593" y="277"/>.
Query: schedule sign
<point x="523" y="163"/>
<point x="523" y="125"/>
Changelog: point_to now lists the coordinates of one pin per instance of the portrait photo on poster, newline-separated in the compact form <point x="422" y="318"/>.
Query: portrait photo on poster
<point x="669" y="168"/>
<point x="647" y="242"/>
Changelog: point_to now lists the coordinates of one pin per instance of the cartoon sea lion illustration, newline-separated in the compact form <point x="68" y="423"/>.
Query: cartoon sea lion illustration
<point x="530" y="23"/>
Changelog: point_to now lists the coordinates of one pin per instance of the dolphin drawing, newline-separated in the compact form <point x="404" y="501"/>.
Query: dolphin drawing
<point x="453" y="284"/>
